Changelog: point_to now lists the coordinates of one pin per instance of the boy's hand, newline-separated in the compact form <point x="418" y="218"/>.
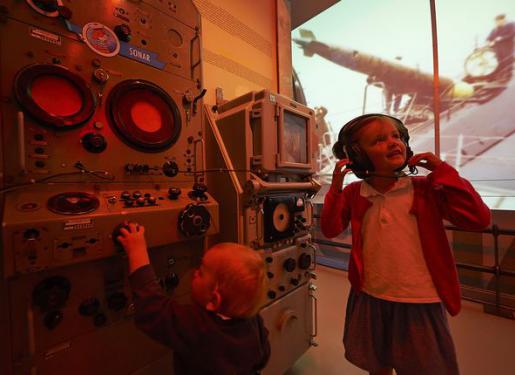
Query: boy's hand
<point x="340" y="170"/>
<point x="132" y="238"/>
<point x="426" y="160"/>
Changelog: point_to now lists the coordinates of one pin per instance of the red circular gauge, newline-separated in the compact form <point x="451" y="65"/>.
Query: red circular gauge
<point x="143" y="115"/>
<point x="54" y="96"/>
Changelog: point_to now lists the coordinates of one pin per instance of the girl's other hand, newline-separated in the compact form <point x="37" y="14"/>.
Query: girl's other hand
<point x="426" y="160"/>
<point x="340" y="170"/>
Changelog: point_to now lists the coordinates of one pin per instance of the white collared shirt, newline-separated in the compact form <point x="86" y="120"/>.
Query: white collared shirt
<point x="393" y="261"/>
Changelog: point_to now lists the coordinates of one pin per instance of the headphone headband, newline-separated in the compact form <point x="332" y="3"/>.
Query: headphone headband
<point x="345" y="147"/>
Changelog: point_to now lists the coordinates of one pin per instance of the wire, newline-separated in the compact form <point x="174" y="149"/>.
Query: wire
<point x="82" y="170"/>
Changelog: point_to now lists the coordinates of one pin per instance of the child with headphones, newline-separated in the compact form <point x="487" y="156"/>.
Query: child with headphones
<point x="401" y="268"/>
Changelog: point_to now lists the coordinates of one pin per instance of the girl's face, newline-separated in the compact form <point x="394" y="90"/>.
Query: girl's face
<point x="382" y="143"/>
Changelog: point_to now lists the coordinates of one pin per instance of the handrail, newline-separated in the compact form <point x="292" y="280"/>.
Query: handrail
<point x="496" y="269"/>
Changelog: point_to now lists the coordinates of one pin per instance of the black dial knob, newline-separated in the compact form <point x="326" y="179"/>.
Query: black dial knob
<point x="52" y="319"/>
<point x="198" y="191"/>
<point x="173" y="193"/>
<point x="99" y="320"/>
<point x="129" y="202"/>
<point x="94" y="142"/>
<point x="117" y="301"/>
<point x="89" y="307"/>
<point x="271" y="294"/>
<point x="123" y="32"/>
<point x="294" y="282"/>
<point x="290" y="264"/>
<point x="47" y="5"/>
<point x="194" y="220"/>
<point x="136" y="194"/>
<point x="304" y="261"/>
<point x="151" y="200"/>
<point x="170" y="168"/>
<point x="52" y="293"/>
<point x="171" y="281"/>
<point x="140" y="201"/>
<point x="125" y="195"/>
<point x="31" y="234"/>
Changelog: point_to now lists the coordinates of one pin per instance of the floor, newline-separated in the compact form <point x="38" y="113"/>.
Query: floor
<point x="485" y="344"/>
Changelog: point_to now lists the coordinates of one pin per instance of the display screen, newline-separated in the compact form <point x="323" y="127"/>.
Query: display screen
<point x="294" y="140"/>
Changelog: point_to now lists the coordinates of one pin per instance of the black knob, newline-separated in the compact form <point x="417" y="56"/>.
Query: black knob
<point x="94" y="142"/>
<point x="269" y="259"/>
<point x="194" y="220"/>
<point x="117" y="301"/>
<point x="173" y="193"/>
<point x="129" y="202"/>
<point x="52" y="293"/>
<point x="271" y="294"/>
<point x="47" y="5"/>
<point x="136" y="194"/>
<point x="123" y="32"/>
<point x="171" y="281"/>
<point x="129" y="168"/>
<point x="99" y="320"/>
<point x="100" y="75"/>
<point x="140" y="201"/>
<point x="89" y="307"/>
<point x="52" y="319"/>
<point x="31" y="234"/>
<point x="199" y="190"/>
<point x="151" y="200"/>
<point x="125" y="195"/>
<point x="294" y="282"/>
<point x="170" y="168"/>
<point x="281" y="288"/>
<point x="304" y="261"/>
<point x="270" y="275"/>
<point x="290" y="264"/>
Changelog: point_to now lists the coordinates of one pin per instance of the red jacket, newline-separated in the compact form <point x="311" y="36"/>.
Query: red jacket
<point x="443" y="194"/>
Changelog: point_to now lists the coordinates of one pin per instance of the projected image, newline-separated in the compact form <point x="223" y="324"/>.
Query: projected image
<point x="367" y="56"/>
<point x="294" y="147"/>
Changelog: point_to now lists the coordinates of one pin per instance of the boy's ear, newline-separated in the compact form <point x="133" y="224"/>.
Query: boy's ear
<point x="215" y="301"/>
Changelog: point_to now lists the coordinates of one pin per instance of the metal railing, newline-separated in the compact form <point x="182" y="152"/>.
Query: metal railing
<point x="496" y="270"/>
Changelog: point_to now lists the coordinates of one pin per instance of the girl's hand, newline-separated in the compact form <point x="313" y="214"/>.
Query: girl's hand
<point x="426" y="160"/>
<point x="133" y="241"/>
<point x="340" y="170"/>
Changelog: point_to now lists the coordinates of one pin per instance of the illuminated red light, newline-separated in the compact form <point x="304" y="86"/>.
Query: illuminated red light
<point x="146" y="116"/>
<point x="56" y="95"/>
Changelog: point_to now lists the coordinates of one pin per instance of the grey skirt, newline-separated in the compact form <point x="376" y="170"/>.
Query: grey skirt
<point x="412" y="338"/>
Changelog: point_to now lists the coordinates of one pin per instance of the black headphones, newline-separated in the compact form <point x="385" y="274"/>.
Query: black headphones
<point x="345" y="147"/>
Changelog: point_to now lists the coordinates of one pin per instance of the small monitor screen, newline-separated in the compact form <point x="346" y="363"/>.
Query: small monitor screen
<point x="295" y="135"/>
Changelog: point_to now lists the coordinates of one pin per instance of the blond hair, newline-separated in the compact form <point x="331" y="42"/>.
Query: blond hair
<point x="239" y="274"/>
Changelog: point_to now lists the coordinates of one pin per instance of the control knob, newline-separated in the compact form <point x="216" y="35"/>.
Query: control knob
<point x="199" y="191"/>
<point x="194" y="220"/>
<point x="94" y="142"/>
<point x="123" y="32"/>
<point x="304" y="261"/>
<point x="52" y="319"/>
<point x="170" y="168"/>
<point x="47" y="5"/>
<point x="290" y="264"/>
<point x="117" y="301"/>
<point x="51" y="293"/>
<point x="173" y="193"/>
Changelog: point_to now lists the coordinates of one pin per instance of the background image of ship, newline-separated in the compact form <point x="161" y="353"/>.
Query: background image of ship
<point x="476" y="119"/>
